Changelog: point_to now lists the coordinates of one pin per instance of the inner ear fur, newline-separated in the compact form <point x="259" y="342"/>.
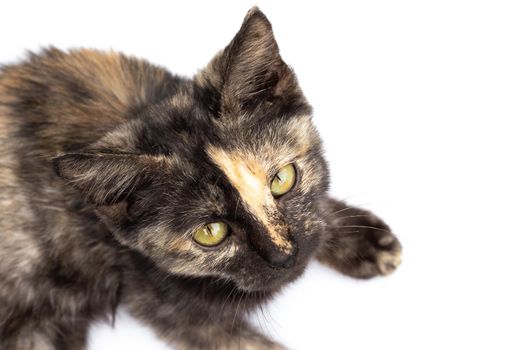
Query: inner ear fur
<point x="250" y="69"/>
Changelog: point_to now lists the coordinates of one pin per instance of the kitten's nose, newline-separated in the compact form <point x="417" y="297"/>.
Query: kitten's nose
<point x="279" y="259"/>
<point x="277" y="253"/>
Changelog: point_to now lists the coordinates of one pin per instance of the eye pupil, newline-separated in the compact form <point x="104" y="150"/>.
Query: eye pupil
<point x="211" y="234"/>
<point x="283" y="181"/>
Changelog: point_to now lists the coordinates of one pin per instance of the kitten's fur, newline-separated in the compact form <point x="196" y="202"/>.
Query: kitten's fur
<point x="107" y="166"/>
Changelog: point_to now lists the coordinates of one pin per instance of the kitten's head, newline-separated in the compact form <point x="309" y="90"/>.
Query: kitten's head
<point x="223" y="179"/>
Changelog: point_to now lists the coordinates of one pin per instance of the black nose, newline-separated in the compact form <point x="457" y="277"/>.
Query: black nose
<point x="279" y="259"/>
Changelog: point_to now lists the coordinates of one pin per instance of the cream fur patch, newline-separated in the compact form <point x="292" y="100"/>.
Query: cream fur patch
<point x="250" y="178"/>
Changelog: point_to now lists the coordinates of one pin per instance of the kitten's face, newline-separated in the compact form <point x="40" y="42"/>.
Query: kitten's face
<point x="223" y="174"/>
<point x="221" y="180"/>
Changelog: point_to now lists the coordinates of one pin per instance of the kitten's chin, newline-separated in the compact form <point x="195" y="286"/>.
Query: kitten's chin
<point x="271" y="283"/>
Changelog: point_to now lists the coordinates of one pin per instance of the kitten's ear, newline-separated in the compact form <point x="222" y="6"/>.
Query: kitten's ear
<point x="105" y="178"/>
<point x="250" y="69"/>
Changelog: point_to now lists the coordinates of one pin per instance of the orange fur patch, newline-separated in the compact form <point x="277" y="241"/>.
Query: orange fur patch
<point x="250" y="178"/>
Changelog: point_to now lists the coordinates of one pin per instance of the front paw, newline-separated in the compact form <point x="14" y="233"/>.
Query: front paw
<point x="387" y="253"/>
<point x="358" y="243"/>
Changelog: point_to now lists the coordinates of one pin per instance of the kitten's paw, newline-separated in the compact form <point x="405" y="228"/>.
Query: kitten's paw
<point x="359" y="244"/>
<point x="377" y="251"/>
<point x="389" y="254"/>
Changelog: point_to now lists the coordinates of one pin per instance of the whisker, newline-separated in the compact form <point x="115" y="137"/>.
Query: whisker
<point x="233" y="322"/>
<point x="357" y="207"/>
<point x="347" y="197"/>
<point x="259" y="313"/>
<point x="225" y="301"/>
<point x="356" y="216"/>
<point x="341" y="210"/>
<point x="236" y="309"/>
<point x="273" y="322"/>
<point x="236" y="206"/>
<point x="266" y="323"/>
<point x="364" y="226"/>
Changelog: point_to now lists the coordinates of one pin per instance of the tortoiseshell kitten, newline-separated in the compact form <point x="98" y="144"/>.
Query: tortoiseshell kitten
<point x="121" y="184"/>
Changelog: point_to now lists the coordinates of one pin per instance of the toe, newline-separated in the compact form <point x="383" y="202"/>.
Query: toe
<point x="388" y="261"/>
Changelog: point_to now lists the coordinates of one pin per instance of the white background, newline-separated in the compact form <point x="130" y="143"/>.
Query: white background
<point x="421" y="105"/>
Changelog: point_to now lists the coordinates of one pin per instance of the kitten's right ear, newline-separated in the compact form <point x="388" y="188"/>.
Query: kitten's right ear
<point x="103" y="178"/>
<point x="249" y="71"/>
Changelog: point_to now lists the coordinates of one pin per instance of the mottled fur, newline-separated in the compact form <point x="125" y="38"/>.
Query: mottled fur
<point x="108" y="164"/>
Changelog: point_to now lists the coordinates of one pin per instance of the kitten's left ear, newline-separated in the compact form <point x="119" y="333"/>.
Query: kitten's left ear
<point x="108" y="181"/>
<point x="250" y="69"/>
<point x="105" y="178"/>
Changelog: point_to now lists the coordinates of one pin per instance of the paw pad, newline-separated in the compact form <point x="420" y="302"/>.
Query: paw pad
<point x="388" y="261"/>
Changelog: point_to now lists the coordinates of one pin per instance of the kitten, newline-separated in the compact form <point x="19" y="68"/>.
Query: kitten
<point x="191" y="202"/>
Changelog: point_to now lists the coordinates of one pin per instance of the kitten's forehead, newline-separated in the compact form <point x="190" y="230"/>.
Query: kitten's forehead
<point x="275" y="137"/>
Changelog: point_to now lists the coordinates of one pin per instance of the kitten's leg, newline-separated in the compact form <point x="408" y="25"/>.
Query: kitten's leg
<point x="358" y="243"/>
<point x="225" y="334"/>
<point x="195" y="328"/>
<point x="44" y="335"/>
<point x="28" y="339"/>
<point x="218" y="336"/>
<point x="212" y="335"/>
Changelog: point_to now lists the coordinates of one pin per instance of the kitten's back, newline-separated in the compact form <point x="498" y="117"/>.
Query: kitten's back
<point x="52" y="103"/>
<point x="68" y="99"/>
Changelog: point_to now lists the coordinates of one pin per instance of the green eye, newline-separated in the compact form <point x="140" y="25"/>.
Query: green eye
<point x="211" y="234"/>
<point x="283" y="181"/>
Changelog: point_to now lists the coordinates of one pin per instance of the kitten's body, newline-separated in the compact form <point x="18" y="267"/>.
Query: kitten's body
<point x="141" y="154"/>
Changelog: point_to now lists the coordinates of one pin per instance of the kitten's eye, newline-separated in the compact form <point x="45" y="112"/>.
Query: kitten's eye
<point x="283" y="181"/>
<point x="211" y="234"/>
